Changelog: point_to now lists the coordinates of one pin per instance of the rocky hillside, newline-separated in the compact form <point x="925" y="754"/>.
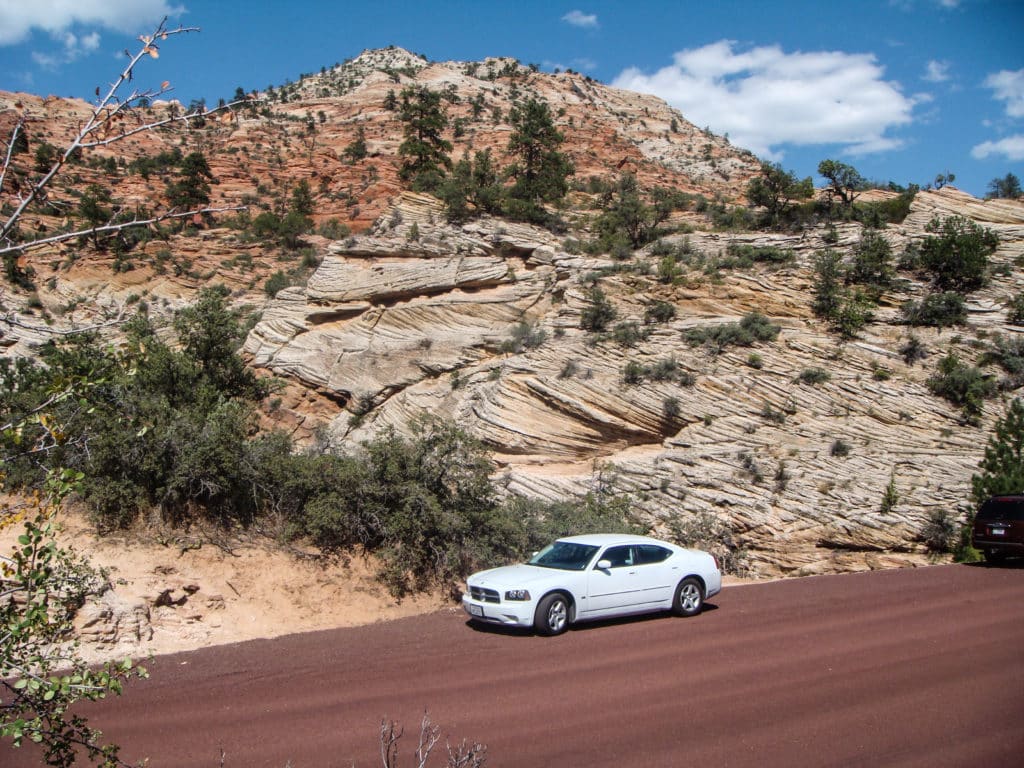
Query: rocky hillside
<point x="811" y="452"/>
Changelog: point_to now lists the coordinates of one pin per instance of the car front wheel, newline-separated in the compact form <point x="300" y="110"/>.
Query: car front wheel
<point x="689" y="598"/>
<point x="552" y="617"/>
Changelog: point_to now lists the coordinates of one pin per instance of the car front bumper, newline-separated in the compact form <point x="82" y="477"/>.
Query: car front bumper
<point x="511" y="613"/>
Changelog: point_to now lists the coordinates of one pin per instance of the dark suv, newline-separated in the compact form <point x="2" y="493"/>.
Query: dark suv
<point x="999" y="527"/>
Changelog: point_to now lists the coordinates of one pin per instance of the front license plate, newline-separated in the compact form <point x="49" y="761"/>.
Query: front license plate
<point x="998" y="531"/>
<point x="475" y="610"/>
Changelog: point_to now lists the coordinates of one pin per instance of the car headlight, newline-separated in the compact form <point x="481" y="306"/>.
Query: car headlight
<point x="517" y="594"/>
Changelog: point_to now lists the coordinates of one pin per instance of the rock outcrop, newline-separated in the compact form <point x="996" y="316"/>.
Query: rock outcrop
<point x="798" y="471"/>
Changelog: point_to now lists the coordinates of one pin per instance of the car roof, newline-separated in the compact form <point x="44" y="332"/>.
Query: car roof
<point x="604" y="539"/>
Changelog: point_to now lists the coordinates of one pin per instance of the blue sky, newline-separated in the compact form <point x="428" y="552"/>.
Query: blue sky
<point x="901" y="89"/>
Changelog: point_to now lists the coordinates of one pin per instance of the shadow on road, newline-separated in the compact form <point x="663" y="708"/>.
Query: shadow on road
<point x="586" y="626"/>
<point x="1009" y="564"/>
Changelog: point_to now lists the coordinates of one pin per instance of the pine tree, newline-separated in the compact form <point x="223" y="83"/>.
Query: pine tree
<point x="540" y="170"/>
<point x="1002" y="469"/>
<point x="424" y="152"/>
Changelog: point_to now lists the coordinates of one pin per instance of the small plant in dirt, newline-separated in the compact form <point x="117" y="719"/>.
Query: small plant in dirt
<point x="814" y="376"/>
<point x="940" y="531"/>
<point x="753" y="328"/>
<point x="524" y="336"/>
<point x="913" y="350"/>
<point x="937" y="310"/>
<point x="660" y="312"/>
<point x="962" y="384"/>
<point x="599" y="313"/>
<point x="840" y="448"/>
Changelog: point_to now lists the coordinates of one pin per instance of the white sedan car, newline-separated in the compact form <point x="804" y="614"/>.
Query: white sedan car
<point x="595" y="576"/>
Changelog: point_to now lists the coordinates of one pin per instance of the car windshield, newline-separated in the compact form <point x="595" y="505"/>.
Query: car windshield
<point x="564" y="555"/>
<point x="1002" y="508"/>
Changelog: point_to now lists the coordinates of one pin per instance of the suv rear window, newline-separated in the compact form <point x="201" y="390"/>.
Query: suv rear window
<point x="1002" y="508"/>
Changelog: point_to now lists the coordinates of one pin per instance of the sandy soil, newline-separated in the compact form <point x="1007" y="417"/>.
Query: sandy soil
<point x="185" y="591"/>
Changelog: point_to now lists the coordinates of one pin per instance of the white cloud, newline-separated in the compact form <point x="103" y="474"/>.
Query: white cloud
<point x="1009" y="87"/>
<point x="1012" y="147"/>
<point x="765" y="98"/>
<point x="936" y="71"/>
<point x="19" y="17"/>
<point x="74" y="47"/>
<point x="581" y="19"/>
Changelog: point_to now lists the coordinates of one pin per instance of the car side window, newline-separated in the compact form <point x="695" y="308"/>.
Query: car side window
<point x="648" y="554"/>
<point x="620" y="557"/>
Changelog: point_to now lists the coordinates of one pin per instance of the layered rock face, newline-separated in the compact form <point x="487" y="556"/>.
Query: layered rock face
<point x="480" y="322"/>
<point x="390" y="327"/>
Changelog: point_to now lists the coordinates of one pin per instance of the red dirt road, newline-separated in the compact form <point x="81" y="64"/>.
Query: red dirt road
<point x="897" y="668"/>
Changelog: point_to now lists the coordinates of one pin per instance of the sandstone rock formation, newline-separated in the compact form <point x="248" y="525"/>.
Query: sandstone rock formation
<point x="398" y="320"/>
<point x="393" y="328"/>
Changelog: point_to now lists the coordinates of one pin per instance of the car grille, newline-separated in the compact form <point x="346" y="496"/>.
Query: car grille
<point x="484" y="594"/>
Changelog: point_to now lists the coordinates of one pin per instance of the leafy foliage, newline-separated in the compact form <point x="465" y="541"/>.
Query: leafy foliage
<point x="754" y="327"/>
<point x="539" y="170"/>
<point x="961" y="384"/>
<point x="626" y="218"/>
<point x="1006" y="187"/>
<point x="424" y="151"/>
<point x="1002" y="468"/>
<point x="872" y="260"/>
<point x="844" y="180"/>
<point x="42" y="677"/>
<point x="775" y="189"/>
<point x="957" y="253"/>
<point x="938" y="310"/>
<point x="192" y="187"/>
<point x="599" y="313"/>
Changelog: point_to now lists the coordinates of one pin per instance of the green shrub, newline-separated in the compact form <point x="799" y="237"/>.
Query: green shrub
<point x="524" y="336"/>
<point x="1015" y="310"/>
<point x="957" y="253"/>
<point x="660" y="312"/>
<point x="276" y="282"/>
<point x="1002" y="468"/>
<point x="938" y="310"/>
<point x="840" y="448"/>
<point x="814" y="376"/>
<point x="599" y="313"/>
<point x="913" y="350"/>
<point x="745" y="255"/>
<point x="940" y="531"/>
<point x="629" y="334"/>
<point x="753" y="328"/>
<point x="961" y="384"/>
<point x="872" y="260"/>
<point x="670" y="408"/>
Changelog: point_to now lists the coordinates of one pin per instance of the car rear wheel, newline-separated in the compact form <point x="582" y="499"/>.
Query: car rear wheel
<point x="552" y="617"/>
<point x="994" y="556"/>
<point x="689" y="598"/>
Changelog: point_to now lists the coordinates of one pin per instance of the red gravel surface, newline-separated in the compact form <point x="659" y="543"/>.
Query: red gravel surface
<point x="898" y="668"/>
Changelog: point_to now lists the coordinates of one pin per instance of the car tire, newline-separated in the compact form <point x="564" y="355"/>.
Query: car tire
<point x="689" y="597"/>
<point x="552" y="616"/>
<point x="994" y="556"/>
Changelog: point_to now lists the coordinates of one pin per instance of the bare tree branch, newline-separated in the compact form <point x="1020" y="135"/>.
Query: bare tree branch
<point x="110" y="228"/>
<point x="10" y="150"/>
<point x="106" y="114"/>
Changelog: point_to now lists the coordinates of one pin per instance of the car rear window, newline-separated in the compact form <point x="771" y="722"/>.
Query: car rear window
<point x="1002" y="508"/>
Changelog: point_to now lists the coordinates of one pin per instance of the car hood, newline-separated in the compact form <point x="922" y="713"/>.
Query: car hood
<point x="514" y="576"/>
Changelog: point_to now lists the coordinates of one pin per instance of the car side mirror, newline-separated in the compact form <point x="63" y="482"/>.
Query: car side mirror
<point x="604" y="565"/>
